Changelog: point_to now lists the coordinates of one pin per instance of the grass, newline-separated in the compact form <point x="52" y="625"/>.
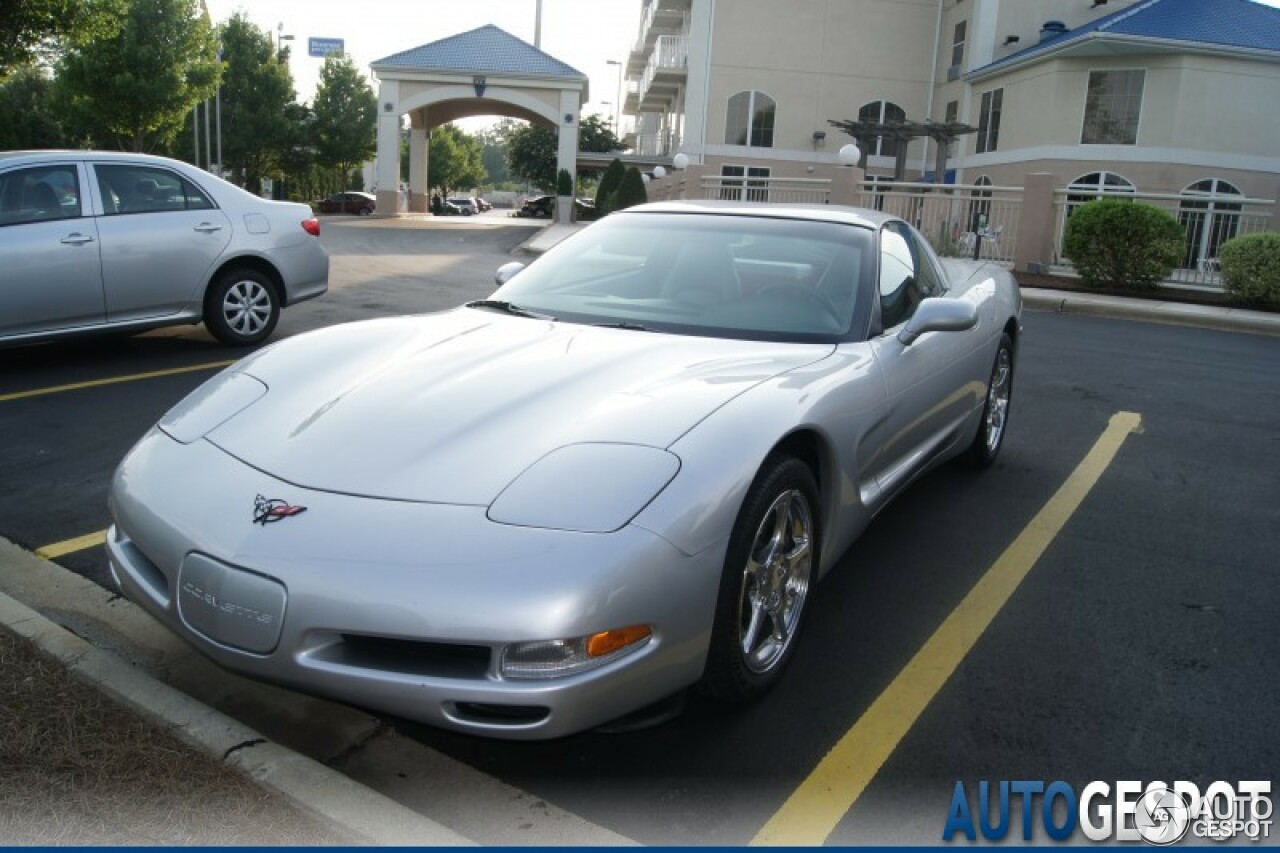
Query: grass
<point x="76" y="768"/>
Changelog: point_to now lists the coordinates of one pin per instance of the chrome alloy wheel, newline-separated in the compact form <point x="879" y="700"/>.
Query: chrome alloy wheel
<point x="775" y="581"/>
<point x="998" y="400"/>
<point x="247" y="307"/>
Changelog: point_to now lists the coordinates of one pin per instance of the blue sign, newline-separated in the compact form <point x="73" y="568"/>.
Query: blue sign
<point x="324" y="47"/>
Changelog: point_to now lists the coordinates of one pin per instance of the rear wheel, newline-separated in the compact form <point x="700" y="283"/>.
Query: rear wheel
<point x="764" y="589"/>
<point x="995" y="414"/>
<point x="242" y="307"/>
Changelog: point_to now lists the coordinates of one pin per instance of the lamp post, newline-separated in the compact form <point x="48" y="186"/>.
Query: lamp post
<point x="281" y="38"/>
<point x="617" y="104"/>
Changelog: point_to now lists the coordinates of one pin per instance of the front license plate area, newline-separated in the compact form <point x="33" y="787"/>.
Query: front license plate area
<point x="230" y="606"/>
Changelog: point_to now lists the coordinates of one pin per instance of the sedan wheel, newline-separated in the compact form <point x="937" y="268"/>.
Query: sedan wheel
<point x="242" y="308"/>
<point x="771" y="561"/>
<point x="995" y="414"/>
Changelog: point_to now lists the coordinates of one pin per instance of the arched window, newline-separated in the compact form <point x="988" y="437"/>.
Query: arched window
<point x="1097" y="185"/>
<point x="1210" y="217"/>
<point x="883" y="111"/>
<point x="750" y="120"/>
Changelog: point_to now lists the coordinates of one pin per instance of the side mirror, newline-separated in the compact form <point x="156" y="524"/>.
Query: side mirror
<point x="506" y="272"/>
<point x="939" y="314"/>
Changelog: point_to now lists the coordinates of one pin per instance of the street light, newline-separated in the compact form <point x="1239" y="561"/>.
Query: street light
<point x="617" y="118"/>
<point x="281" y="38"/>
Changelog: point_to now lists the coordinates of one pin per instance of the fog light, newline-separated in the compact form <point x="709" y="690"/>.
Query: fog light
<point x="557" y="658"/>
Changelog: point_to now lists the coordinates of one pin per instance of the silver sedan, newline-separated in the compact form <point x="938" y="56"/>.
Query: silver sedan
<point x="101" y="241"/>
<point x="620" y="476"/>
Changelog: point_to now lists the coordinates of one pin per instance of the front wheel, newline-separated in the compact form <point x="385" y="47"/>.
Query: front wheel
<point x="995" y="413"/>
<point x="772" y="560"/>
<point x="242" y="308"/>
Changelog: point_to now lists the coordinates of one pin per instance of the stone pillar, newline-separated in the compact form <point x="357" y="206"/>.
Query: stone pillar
<point x="1036" y="224"/>
<point x="419" y="141"/>
<point x="567" y="146"/>
<point x="388" y="158"/>
<point x="845" y="185"/>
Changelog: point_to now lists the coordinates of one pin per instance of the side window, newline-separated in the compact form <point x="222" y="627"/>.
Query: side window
<point x="899" y="286"/>
<point x="145" y="189"/>
<point x="928" y="276"/>
<point x="39" y="194"/>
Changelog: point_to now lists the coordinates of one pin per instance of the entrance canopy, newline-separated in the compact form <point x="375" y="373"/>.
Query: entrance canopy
<point x="486" y="71"/>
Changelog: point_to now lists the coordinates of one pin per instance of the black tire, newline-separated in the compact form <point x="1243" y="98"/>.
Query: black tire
<point x="995" y="412"/>
<point x="242" y="308"/>
<point x="769" y="569"/>
<point x="365" y="211"/>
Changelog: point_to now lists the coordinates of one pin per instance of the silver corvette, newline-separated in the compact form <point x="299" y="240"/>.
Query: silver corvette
<point x="620" y="476"/>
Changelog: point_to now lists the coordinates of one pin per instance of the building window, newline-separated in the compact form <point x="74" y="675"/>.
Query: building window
<point x="750" y="120"/>
<point x="1097" y="185"/>
<point x="744" y="183"/>
<point x="989" y="121"/>
<point x="1111" y="108"/>
<point x="881" y="112"/>
<point x="957" y="46"/>
<point x="1211" y="217"/>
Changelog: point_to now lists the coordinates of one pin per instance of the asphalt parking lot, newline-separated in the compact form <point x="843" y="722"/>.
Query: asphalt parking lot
<point x="1098" y="606"/>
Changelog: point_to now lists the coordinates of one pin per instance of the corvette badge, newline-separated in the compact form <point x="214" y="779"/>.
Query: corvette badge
<point x="269" y="510"/>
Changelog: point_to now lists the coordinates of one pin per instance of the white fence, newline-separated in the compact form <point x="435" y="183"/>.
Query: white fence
<point x="957" y="219"/>
<point x="766" y="189"/>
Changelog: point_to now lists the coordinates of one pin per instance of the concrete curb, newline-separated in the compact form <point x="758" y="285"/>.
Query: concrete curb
<point x="314" y="789"/>
<point x="1150" y="310"/>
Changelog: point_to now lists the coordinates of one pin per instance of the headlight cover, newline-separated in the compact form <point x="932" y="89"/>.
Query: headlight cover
<point x="211" y="405"/>
<point x="588" y="488"/>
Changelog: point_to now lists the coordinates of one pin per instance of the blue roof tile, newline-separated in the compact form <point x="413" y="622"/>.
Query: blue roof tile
<point x="486" y="50"/>
<point x="1211" y="23"/>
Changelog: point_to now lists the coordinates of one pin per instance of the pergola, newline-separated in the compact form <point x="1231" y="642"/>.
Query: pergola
<point x="865" y="134"/>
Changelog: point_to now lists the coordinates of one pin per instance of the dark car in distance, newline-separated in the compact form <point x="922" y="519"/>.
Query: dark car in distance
<point x="361" y="204"/>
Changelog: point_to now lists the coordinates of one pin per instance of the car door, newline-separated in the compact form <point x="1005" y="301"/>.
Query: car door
<point x="161" y="236"/>
<point x="927" y="383"/>
<point x="50" y="269"/>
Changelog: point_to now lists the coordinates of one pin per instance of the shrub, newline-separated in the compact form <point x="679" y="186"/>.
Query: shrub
<point x="609" y="183"/>
<point x="1123" y="244"/>
<point x="630" y="192"/>
<point x="564" y="183"/>
<point x="1251" y="267"/>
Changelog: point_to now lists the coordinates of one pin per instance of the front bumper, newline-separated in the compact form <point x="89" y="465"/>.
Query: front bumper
<point x="401" y="607"/>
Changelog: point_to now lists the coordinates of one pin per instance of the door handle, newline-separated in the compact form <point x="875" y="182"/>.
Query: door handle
<point x="76" y="238"/>
<point x="208" y="227"/>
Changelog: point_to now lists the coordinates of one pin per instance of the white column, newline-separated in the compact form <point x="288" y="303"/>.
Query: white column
<point x="418" y="144"/>
<point x="388" y="160"/>
<point x="567" y="150"/>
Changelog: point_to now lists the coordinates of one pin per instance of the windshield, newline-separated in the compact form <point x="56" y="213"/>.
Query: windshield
<point x="732" y="276"/>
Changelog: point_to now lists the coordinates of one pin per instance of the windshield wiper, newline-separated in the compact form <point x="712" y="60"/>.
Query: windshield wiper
<point x="509" y="308"/>
<point x="623" y="324"/>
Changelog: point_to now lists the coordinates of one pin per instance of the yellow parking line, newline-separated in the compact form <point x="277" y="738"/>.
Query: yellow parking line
<point x="70" y="546"/>
<point x="812" y="812"/>
<point x="113" y="380"/>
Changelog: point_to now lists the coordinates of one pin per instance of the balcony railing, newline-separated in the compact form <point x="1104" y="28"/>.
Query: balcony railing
<point x="662" y="144"/>
<point x="671" y="53"/>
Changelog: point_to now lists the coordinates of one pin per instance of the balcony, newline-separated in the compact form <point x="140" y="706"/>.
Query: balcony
<point x="663" y="75"/>
<point x="661" y="17"/>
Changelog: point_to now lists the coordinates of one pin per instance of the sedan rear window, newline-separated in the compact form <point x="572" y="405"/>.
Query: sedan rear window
<point x="143" y="189"/>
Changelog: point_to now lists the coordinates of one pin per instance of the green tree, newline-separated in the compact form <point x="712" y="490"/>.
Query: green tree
<point x="29" y="28"/>
<point x="28" y="117"/>
<point x="630" y="192"/>
<point x="302" y="176"/>
<point x="493" y="151"/>
<point x="136" y="90"/>
<point x="257" y="89"/>
<point x="609" y="183"/>
<point x="454" y="159"/>
<point x="531" y="152"/>
<point x="346" y="115"/>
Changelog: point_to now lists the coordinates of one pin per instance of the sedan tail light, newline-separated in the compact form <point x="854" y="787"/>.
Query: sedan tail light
<point x="311" y="226"/>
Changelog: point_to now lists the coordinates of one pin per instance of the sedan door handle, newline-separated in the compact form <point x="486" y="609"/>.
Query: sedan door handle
<point x="208" y="227"/>
<point x="76" y="238"/>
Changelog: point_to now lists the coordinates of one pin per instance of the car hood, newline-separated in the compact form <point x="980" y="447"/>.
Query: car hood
<point x="450" y="408"/>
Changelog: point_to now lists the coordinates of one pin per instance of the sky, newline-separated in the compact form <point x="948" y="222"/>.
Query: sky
<point x="582" y="33"/>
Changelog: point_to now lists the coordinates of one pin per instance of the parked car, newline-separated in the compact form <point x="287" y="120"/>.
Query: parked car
<point x="621" y="475"/>
<point x="483" y="204"/>
<point x="467" y="205"/>
<point x="361" y="204"/>
<point x="94" y="241"/>
<point x="538" y="207"/>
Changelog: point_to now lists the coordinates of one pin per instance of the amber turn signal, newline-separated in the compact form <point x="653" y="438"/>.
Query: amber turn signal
<point x="608" y="642"/>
